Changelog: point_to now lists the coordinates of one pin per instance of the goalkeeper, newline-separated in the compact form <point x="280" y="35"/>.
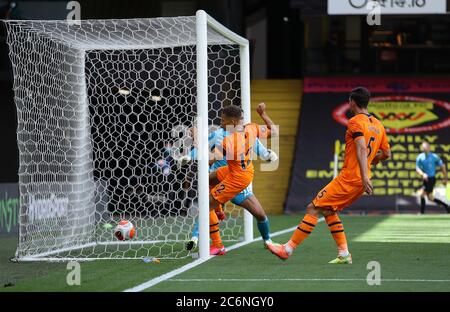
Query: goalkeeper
<point x="246" y="199"/>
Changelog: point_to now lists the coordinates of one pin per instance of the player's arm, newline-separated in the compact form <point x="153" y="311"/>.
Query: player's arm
<point x="213" y="180"/>
<point x="385" y="150"/>
<point x="420" y="171"/>
<point x="192" y="155"/>
<point x="357" y="132"/>
<point x="186" y="159"/>
<point x="219" y="151"/>
<point x="361" y="154"/>
<point x="263" y="152"/>
<point x="261" y="109"/>
<point x="382" y="155"/>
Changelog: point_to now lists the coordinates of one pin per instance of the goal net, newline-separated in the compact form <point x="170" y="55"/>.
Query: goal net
<point x="100" y="105"/>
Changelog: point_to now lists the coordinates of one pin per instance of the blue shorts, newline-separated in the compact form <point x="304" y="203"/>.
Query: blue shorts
<point x="239" y="198"/>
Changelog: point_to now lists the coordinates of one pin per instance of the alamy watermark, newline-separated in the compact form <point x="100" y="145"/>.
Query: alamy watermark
<point x="265" y="147"/>
<point x="374" y="275"/>
<point x="73" y="278"/>
<point x="374" y="13"/>
<point x="74" y="14"/>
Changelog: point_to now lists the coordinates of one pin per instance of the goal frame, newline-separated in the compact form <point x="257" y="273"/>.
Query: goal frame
<point x="203" y="22"/>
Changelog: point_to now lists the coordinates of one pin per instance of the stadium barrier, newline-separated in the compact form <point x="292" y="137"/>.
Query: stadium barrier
<point x="412" y="110"/>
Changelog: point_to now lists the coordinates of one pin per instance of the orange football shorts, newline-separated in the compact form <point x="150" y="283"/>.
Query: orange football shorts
<point x="230" y="184"/>
<point x="337" y="195"/>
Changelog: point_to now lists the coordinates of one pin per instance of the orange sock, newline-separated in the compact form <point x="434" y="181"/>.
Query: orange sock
<point x="303" y="230"/>
<point x="337" y="230"/>
<point x="214" y="232"/>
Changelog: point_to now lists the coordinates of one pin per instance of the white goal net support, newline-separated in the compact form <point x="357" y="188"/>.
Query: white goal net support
<point x="97" y="104"/>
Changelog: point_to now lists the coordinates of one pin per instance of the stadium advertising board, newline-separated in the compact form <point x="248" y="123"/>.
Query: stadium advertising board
<point x="9" y="208"/>
<point x="363" y="7"/>
<point x="412" y="111"/>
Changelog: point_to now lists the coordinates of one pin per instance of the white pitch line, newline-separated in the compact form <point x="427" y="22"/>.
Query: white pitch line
<point x="166" y="276"/>
<point x="169" y="275"/>
<point x="299" y="280"/>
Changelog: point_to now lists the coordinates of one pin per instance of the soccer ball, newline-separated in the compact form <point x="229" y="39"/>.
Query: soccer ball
<point x="124" y="230"/>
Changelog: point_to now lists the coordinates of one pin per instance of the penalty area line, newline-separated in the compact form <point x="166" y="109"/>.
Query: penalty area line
<point x="169" y="275"/>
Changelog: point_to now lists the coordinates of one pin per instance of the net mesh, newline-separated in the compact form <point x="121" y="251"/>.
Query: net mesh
<point x="98" y="105"/>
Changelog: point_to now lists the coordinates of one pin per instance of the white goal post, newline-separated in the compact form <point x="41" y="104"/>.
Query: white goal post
<point x="203" y="22"/>
<point x="97" y="104"/>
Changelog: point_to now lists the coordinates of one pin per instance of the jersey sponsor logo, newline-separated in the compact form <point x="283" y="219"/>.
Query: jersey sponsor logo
<point x="403" y="114"/>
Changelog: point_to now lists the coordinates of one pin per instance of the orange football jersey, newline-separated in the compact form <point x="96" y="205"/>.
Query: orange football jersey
<point x="367" y="127"/>
<point x="238" y="147"/>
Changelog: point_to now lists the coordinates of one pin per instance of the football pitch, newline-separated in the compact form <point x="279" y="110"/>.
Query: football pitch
<point x="413" y="253"/>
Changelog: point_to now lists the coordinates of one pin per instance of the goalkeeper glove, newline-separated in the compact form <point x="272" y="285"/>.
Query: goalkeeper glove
<point x="272" y="156"/>
<point x="183" y="160"/>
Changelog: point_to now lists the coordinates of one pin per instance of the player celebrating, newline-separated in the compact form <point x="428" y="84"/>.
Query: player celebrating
<point x="426" y="164"/>
<point x="366" y="144"/>
<point x="245" y="199"/>
<point x="237" y="148"/>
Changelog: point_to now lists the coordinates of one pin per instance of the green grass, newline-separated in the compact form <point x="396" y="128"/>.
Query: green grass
<point x="407" y="247"/>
